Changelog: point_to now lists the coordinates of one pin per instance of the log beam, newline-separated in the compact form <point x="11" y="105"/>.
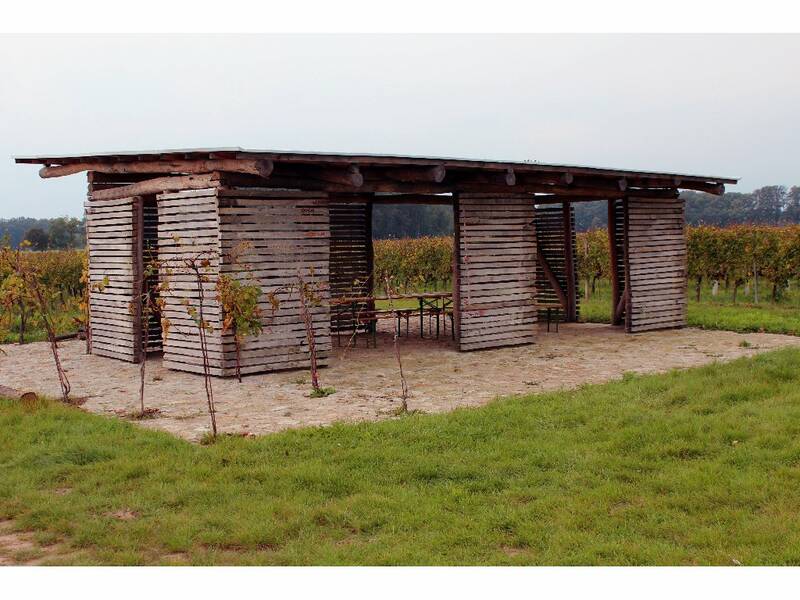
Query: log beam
<point x="291" y="177"/>
<point x="260" y="168"/>
<point x="309" y="177"/>
<point x="709" y="187"/>
<point x="716" y="189"/>
<point x="159" y="185"/>
<point x="433" y="174"/>
<point x="351" y="176"/>
<point x="499" y="179"/>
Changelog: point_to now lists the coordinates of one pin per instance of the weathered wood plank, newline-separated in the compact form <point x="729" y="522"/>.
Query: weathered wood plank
<point x="657" y="265"/>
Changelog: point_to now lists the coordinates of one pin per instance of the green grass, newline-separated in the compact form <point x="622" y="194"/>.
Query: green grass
<point x="718" y="312"/>
<point x="692" y="467"/>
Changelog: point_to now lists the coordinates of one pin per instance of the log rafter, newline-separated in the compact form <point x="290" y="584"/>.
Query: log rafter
<point x="159" y="185"/>
<point x="303" y="181"/>
<point x="259" y="168"/>
<point x="373" y="178"/>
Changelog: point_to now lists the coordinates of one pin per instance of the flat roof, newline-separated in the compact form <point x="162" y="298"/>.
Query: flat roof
<point x="363" y="159"/>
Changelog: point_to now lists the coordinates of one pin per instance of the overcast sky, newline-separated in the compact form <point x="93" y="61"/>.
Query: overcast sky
<point x="706" y="104"/>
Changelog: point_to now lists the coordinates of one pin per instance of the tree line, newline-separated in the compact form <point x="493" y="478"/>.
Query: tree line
<point x="388" y="222"/>
<point x="769" y="205"/>
<point x="391" y="221"/>
<point x="59" y="233"/>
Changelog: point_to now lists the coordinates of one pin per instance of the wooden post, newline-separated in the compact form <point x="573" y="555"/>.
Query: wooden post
<point x="456" y="270"/>
<point x="88" y="323"/>
<point x="138" y="277"/>
<point x="626" y="298"/>
<point x="569" y="264"/>
<point x="370" y="250"/>
<point x="614" y="258"/>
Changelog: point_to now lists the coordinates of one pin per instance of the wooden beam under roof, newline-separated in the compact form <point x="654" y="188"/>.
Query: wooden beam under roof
<point x="365" y="160"/>
<point x="311" y="176"/>
<point x="158" y="186"/>
<point x="304" y="182"/>
<point x="434" y="174"/>
<point x="260" y="168"/>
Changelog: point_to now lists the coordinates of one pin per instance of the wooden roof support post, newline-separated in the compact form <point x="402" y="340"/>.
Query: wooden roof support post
<point x="457" y="257"/>
<point x="370" y="250"/>
<point x="612" y="250"/>
<point x="569" y="264"/>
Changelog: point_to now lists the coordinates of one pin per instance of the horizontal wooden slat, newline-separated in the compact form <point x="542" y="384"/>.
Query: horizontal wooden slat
<point x="657" y="259"/>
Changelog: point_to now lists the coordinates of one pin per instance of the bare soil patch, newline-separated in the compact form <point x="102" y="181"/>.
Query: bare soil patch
<point x="366" y="379"/>
<point x="20" y="547"/>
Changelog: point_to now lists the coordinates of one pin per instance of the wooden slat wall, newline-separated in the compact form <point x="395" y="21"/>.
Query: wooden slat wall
<point x="188" y="223"/>
<point x="111" y="228"/>
<point x="150" y="251"/>
<point x="618" y="225"/>
<point x="656" y="245"/>
<point x="549" y="221"/>
<point x="350" y="253"/>
<point x="496" y="274"/>
<point x="290" y="231"/>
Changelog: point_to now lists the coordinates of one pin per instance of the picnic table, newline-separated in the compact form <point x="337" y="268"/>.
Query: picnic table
<point x="551" y="308"/>
<point x="432" y="304"/>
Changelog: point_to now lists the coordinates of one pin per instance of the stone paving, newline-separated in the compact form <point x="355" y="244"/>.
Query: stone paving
<point x="366" y="380"/>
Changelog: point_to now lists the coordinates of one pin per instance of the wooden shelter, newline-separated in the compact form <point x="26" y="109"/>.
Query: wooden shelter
<point x="514" y="240"/>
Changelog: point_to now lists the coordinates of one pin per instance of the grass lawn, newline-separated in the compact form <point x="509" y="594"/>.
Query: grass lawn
<point x="715" y="312"/>
<point x="693" y="467"/>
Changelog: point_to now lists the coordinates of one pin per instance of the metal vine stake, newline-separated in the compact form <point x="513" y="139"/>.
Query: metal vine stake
<point x="403" y="384"/>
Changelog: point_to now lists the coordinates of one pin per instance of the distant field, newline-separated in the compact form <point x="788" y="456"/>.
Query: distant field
<point x="696" y="467"/>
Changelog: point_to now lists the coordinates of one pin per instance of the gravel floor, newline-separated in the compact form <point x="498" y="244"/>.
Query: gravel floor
<point x="366" y="380"/>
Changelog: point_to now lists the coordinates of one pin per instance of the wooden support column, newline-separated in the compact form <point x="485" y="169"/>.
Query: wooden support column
<point x="496" y="279"/>
<point x="656" y="264"/>
<point x="351" y="255"/>
<point x="370" y="252"/>
<point x="626" y="258"/>
<point x="456" y="271"/>
<point x="614" y="258"/>
<point x="138" y="278"/>
<point x="113" y="229"/>
<point x="569" y="265"/>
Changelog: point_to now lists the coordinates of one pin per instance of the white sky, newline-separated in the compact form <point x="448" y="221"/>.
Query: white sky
<point x="706" y="104"/>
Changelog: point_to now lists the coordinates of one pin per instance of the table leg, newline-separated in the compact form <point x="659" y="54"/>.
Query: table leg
<point x="355" y="324"/>
<point x="421" y="324"/>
